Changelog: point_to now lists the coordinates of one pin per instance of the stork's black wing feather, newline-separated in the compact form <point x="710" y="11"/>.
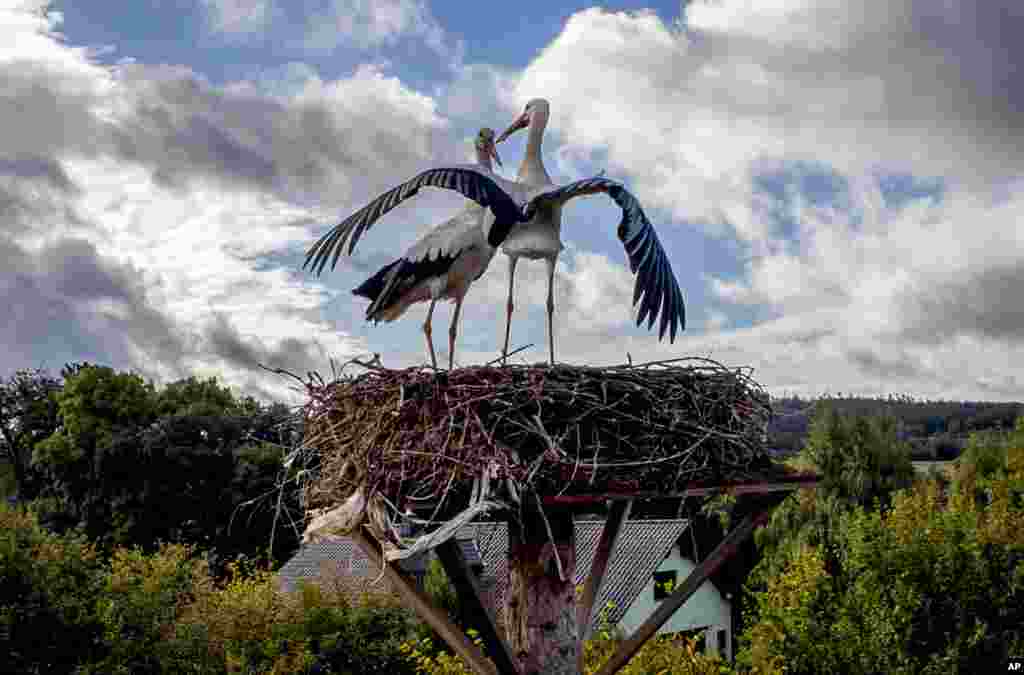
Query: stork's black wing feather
<point x="470" y="182"/>
<point x="395" y="279"/>
<point x="656" y="287"/>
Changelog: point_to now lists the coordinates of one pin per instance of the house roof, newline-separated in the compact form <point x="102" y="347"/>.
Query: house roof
<point x="641" y="547"/>
<point x="339" y="552"/>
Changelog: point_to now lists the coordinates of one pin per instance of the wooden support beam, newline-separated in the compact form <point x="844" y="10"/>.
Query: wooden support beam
<point x="436" y="617"/>
<point x="668" y="607"/>
<point x="468" y="590"/>
<point x="693" y="490"/>
<point x="617" y="515"/>
<point x="540" y="603"/>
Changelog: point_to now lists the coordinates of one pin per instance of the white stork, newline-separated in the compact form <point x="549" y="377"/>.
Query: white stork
<point x="540" y="236"/>
<point x="442" y="264"/>
<point x="531" y="217"/>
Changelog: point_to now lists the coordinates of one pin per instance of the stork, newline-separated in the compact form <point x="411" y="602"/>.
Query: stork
<point x="442" y="264"/>
<point x="540" y="236"/>
<point x="531" y="217"/>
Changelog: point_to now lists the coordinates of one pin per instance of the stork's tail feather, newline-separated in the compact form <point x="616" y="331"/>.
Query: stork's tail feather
<point x="372" y="287"/>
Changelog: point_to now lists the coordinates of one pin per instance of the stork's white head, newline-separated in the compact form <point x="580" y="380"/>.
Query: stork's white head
<point x="485" y="147"/>
<point x="535" y="113"/>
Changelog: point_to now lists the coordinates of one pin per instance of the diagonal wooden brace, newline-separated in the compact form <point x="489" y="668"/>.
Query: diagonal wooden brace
<point x="698" y="576"/>
<point x="468" y="590"/>
<point x="436" y="617"/>
<point x="617" y="515"/>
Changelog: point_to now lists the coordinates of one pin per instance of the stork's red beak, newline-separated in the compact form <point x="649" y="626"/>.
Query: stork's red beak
<point x="521" y="123"/>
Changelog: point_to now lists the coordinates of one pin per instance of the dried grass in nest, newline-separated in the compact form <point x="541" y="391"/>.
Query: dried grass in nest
<point x="418" y="437"/>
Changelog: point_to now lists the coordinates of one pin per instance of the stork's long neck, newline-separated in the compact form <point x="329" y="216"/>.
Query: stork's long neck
<point x="532" y="171"/>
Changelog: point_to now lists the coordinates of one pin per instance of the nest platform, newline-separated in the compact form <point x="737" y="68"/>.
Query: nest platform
<point x="449" y="439"/>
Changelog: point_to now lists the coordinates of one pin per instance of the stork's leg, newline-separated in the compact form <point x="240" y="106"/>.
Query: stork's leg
<point x="427" y="331"/>
<point x="453" y="331"/>
<point x="512" y="260"/>
<point x="551" y="307"/>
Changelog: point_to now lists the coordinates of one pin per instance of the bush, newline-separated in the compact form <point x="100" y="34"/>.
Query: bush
<point x="929" y="585"/>
<point x="48" y="587"/>
<point x="664" y="655"/>
<point x="164" y="613"/>
<point x="139" y="603"/>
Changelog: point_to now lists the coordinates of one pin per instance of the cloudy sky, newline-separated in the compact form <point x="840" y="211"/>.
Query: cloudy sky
<point x="839" y="185"/>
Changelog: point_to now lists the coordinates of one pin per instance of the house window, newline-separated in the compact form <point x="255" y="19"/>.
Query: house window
<point x="664" y="584"/>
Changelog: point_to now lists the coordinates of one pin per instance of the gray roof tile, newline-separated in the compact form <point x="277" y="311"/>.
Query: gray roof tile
<point x="642" y="546"/>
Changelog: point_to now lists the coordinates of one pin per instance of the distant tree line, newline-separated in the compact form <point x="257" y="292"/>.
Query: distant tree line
<point x="932" y="429"/>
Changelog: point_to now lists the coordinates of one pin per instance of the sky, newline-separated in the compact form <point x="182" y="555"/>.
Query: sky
<point x="839" y="186"/>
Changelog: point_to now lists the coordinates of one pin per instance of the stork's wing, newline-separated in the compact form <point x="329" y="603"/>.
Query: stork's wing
<point x="484" y="188"/>
<point x="647" y="260"/>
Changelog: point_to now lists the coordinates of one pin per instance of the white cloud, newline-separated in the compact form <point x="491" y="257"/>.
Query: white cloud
<point x="847" y="286"/>
<point x="154" y="221"/>
<point x="238" y="18"/>
<point x="325" y="26"/>
<point x="367" y="23"/>
<point x="689" y="110"/>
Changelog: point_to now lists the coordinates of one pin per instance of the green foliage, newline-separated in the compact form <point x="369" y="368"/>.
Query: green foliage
<point x="720" y="506"/>
<point x="28" y="414"/>
<point x="662" y="655"/>
<point x="141" y="612"/>
<point x="860" y="462"/>
<point x="192" y="396"/>
<point x="859" y="458"/>
<point x="140" y="602"/>
<point x="48" y="589"/>
<point x="934" y="583"/>
<point x="132" y="465"/>
<point x="96" y="402"/>
<point x="88" y="459"/>
<point x="8" y="480"/>
<point x="786" y="633"/>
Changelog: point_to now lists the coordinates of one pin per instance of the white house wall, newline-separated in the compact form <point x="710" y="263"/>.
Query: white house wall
<point x="705" y="609"/>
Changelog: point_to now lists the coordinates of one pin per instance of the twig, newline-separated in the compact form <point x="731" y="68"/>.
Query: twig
<point x="551" y="538"/>
<point x="514" y="351"/>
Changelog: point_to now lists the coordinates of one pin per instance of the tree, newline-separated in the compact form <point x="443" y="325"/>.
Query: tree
<point x="860" y="462"/>
<point x="928" y="585"/>
<point x="90" y="460"/>
<point x="48" y="587"/>
<point x="928" y="580"/>
<point x="28" y="414"/>
<point x="192" y="396"/>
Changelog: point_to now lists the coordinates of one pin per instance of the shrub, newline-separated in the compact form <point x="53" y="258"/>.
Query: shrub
<point x="139" y="602"/>
<point x="48" y="586"/>
<point x="929" y="585"/>
<point x="664" y="655"/>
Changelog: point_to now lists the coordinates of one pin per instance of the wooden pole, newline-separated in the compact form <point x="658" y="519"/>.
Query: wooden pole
<point x="435" y="617"/>
<point x="468" y="590"/>
<point x="668" y="607"/>
<point x="540" y="605"/>
<point x="617" y="515"/>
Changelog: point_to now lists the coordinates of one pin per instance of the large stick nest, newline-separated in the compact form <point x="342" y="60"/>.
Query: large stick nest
<point x="417" y="437"/>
